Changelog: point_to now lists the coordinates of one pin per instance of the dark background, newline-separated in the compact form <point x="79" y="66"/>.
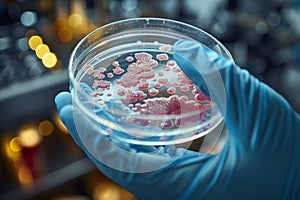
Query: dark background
<point x="263" y="37"/>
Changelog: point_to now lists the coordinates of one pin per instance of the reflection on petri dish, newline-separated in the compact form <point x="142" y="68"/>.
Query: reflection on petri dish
<point x="131" y="74"/>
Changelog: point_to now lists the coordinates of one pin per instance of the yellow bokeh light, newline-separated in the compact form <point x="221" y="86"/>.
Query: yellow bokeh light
<point x="75" y="20"/>
<point x="41" y="50"/>
<point x="14" y="144"/>
<point x="34" y="41"/>
<point x="46" y="128"/>
<point x="29" y="137"/>
<point x="107" y="191"/>
<point x="25" y="176"/>
<point x="7" y="149"/>
<point x="49" y="60"/>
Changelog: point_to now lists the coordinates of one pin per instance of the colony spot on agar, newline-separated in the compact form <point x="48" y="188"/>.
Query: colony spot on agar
<point x="116" y="63"/>
<point x="102" y="69"/>
<point x="129" y="58"/>
<point x="143" y="85"/>
<point x="184" y="88"/>
<point x="167" y="68"/>
<point x="153" y="92"/>
<point x="102" y="84"/>
<point x="162" y="57"/>
<point x="157" y="85"/>
<point x="118" y="70"/>
<point x="171" y="90"/>
<point x="163" y="81"/>
<point x="165" y="48"/>
<point x="110" y="75"/>
<point x="101" y="76"/>
<point x="176" y="70"/>
<point x="171" y="63"/>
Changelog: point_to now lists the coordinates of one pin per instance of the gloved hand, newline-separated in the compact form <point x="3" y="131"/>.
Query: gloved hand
<point x="260" y="160"/>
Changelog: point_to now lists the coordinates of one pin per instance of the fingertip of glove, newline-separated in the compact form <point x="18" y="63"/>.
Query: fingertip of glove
<point x="66" y="114"/>
<point x="62" y="99"/>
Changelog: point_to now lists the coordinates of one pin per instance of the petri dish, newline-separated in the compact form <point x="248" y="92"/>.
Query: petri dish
<point x="125" y="79"/>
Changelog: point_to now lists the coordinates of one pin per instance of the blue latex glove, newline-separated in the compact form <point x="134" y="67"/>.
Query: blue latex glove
<point x="260" y="160"/>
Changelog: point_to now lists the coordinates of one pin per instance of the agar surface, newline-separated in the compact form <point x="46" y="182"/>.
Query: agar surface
<point x="149" y="83"/>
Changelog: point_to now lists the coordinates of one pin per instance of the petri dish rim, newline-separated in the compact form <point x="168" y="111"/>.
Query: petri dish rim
<point x="160" y="22"/>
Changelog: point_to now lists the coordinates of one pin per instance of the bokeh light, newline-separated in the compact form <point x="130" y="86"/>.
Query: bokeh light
<point x="34" y="41"/>
<point x="29" y="137"/>
<point x="75" y="20"/>
<point x="49" y="60"/>
<point x="25" y="175"/>
<point x="65" y="34"/>
<point x="14" y="144"/>
<point x="46" y="128"/>
<point x="41" y="50"/>
<point x="107" y="191"/>
<point x="28" y="18"/>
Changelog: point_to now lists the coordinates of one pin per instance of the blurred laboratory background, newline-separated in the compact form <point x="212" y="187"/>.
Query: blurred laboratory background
<point x="38" y="158"/>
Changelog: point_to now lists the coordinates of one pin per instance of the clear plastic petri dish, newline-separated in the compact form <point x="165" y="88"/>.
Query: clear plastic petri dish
<point x="125" y="79"/>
